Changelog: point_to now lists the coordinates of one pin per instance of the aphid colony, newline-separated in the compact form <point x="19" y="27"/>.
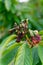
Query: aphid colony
<point x="22" y="31"/>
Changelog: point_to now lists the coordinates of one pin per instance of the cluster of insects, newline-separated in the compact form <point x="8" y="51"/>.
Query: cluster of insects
<point x="22" y="30"/>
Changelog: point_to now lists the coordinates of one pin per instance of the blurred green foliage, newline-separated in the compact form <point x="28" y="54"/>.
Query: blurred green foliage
<point x="13" y="11"/>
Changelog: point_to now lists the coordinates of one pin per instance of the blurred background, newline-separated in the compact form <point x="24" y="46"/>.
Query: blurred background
<point x="17" y="10"/>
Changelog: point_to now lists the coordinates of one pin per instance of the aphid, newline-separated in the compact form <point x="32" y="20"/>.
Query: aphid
<point x="19" y="37"/>
<point x="22" y="29"/>
<point x="11" y="30"/>
<point x="36" y="38"/>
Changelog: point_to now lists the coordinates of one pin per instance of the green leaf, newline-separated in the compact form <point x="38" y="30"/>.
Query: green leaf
<point x="0" y="0"/>
<point x="41" y="43"/>
<point x="42" y="63"/>
<point x="8" y="4"/>
<point x="40" y="52"/>
<point x="9" y="53"/>
<point x="24" y="56"/>
<point x="7" y="40"/>
<point x="35" y="55"/>
<point x="8" y="57"/>
<point x="42" y="38"/>
<point x="41" y="32"/>
<point x="11" y="47"/>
